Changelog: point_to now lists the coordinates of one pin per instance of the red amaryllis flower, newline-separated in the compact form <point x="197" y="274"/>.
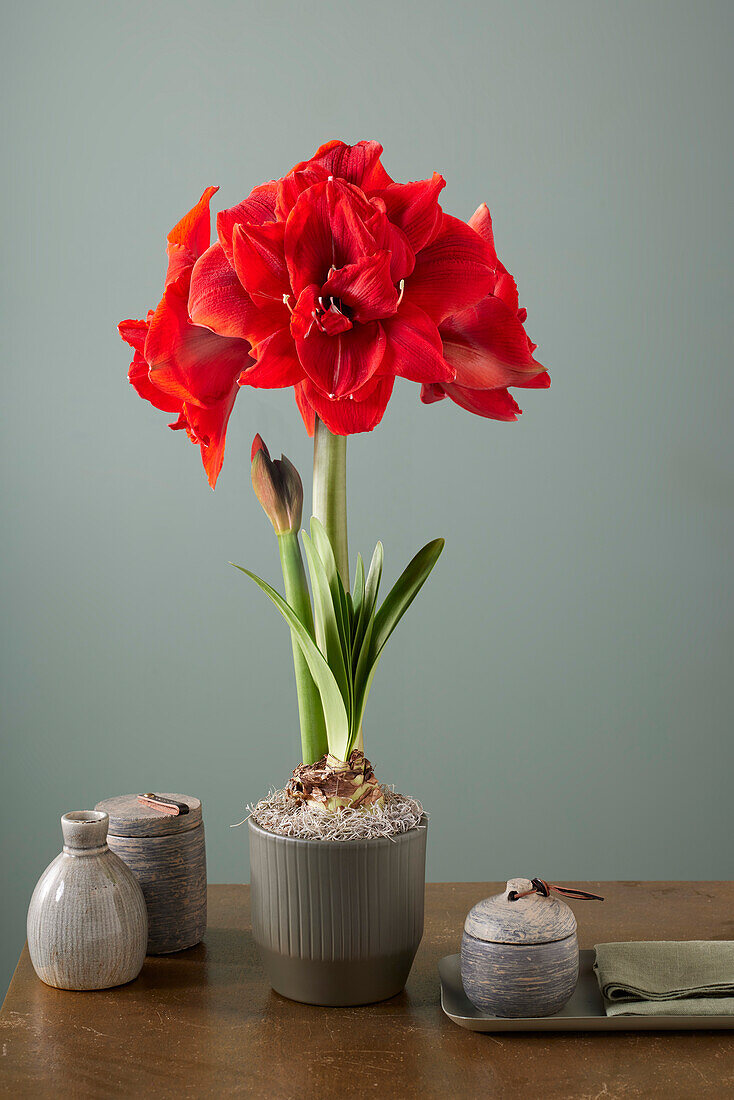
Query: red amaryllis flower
<point x="339" y="279"/>
<point x="487" y="345"/>
<point x="334" y="280"/>
<point x="178" y="366"/>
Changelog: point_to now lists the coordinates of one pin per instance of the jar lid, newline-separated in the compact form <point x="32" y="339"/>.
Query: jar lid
<point x="129" y="817"/>
<point x="532" y="919"/>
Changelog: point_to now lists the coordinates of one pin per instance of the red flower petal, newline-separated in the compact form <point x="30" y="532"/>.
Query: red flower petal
<point x="360" y="412"/>
<point x="218" y="300"/>
<point x="414" y="208"/>
<point x="338" y="363"/>
<point x="365" y="287"/>
<point x="535" y="382"/>
<point x="481" y="222"/>
<point x="208" y="428"/>
<point x="326" y="229"/>
<point x="332" y="321"/>
<point x="358" y="163"/>
<point x="187" y="361"/>
<point x="504" y="286"/>
<point x="495" y="404"/>
<point x="295" y="183"/>
<point x="391" y="239"/>
<point x="134" y="332"/>
<point x="257" y="208"/>
<point x="431" y="392"/>
<point x="277" y="364"/>
<point x="306" y="410"/>
<point x="451" y="273"/>
<point x="259" y="260"/>
<point x="138" y="377"/>
<point x="189" y="238"/>
<point x="414" y="347"/>
<point x="488" y="346"/>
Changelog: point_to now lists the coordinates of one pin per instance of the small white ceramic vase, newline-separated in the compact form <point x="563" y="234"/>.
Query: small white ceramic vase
<point x="87" y="921"/>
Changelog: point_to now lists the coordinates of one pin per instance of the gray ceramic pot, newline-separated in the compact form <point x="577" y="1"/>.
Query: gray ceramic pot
<point x="337" y="923"/>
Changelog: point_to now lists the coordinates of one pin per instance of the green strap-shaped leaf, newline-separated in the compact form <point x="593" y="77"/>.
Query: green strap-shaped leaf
<point x="380" y="626"/>
<point x="358" y="594"/>
<point x="374" y="576"/>
<point x="328" y="635"/>
<point x="310" y="710"/>
<point x="363" y="676"/>
<point x="335" y="713"/>
<point x="371" y="589"/>
<point x="339" y="597"/>
<point x="402" y="594"/>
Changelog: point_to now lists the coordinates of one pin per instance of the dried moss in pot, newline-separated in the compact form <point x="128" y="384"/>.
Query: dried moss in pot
<point x="288" y="817"/>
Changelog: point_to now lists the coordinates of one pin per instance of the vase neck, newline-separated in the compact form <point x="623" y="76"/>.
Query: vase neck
<point x="84" y="831"/>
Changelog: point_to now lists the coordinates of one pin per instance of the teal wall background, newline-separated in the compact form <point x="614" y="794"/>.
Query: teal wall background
<point x="561" y="695"/>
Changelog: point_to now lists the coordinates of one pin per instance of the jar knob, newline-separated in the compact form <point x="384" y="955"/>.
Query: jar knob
<point x="517" y="886"/>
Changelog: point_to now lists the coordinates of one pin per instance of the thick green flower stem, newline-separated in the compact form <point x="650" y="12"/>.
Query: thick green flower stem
<point x="310" y="711"/>
<point x="330" y="492"/>
<point x="330" y="501"/>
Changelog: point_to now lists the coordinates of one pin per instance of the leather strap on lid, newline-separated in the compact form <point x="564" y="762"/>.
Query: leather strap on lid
<point x="540" y="886"/>
<point x="164" y="805"/>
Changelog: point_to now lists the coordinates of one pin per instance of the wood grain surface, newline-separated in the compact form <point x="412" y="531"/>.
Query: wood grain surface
<point x="204" y="1023"/>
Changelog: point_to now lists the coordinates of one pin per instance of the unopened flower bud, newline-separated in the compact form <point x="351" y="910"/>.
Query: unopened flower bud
<point x="278" y="487"/>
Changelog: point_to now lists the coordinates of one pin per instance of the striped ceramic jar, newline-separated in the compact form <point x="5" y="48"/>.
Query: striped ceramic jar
<point x="87" y="922"/>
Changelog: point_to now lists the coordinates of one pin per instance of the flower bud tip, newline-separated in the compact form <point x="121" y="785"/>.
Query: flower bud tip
<point x="258" y="445"/>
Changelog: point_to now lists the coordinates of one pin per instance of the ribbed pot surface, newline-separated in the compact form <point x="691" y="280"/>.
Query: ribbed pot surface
<point x="337" y="923"/>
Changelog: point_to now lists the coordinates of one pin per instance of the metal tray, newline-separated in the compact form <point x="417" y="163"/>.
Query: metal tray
<point x="584" y="1012"/>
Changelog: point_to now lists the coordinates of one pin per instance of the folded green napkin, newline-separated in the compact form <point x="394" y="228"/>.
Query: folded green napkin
<point x="667" y="978"/>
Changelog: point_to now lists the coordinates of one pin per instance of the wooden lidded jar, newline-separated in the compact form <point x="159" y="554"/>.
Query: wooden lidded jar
<point x="521" y="957"/>
<point x="168" y="857"/>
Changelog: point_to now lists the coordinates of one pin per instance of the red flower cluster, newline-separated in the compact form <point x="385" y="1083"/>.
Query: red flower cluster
<point x="333" y="280"/>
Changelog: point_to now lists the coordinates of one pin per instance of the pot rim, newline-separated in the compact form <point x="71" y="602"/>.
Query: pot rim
<point x="341" y="844"/>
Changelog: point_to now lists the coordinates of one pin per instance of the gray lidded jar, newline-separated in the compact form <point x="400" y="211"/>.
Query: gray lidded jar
<point x="337" y="922"/>
<point x="87" y="924"/>
<point x="521" y="957"/>
<point x="167" y="854"/>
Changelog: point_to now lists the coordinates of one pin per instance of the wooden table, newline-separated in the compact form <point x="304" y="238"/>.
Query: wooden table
<point x="204" y="1022"/>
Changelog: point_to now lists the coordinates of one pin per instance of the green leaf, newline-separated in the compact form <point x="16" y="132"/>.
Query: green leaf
<point x="402" y="594"/>
<point x="328" y="635"/>
<point x="363" y="677"/>
<point x="372" y="587"/>
<point x="358" y="594"/>
<point x="338" y="595"/>
<point x="310" y="711"/>
<point x="372" y="584"/>
<point x="335" y="713"/>
<point x="380" y="626"/>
